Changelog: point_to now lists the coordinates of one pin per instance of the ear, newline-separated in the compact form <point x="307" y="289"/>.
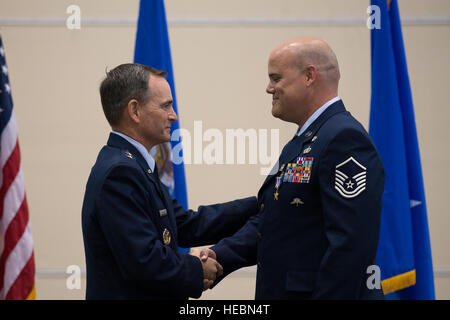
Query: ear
<point x="133" y="111"/>
<point x="310" y="75"/>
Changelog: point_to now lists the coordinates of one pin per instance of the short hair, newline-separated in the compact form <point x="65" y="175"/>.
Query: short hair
<point x="123" y="83"/>
<point x="323" y="58"/>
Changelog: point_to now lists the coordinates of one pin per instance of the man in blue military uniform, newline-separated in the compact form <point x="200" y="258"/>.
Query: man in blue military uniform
<point x="318" y="226"/>
<point x="131" y="225"/>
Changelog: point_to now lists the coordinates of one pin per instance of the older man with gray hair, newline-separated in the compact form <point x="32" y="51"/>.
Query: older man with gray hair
<point x="132" y="227"/>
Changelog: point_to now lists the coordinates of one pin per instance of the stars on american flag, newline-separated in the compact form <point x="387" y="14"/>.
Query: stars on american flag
<point x="8" y="90"/>
<point x="6" y="86"/>
<point x="5" y="72"/>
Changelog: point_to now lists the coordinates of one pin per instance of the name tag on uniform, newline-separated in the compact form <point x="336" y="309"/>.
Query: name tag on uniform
<point x="163" y="212"/>
<point x="299" y="171"/>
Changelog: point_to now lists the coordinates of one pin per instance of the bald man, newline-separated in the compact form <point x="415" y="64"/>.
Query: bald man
<point x="317" y="230"/>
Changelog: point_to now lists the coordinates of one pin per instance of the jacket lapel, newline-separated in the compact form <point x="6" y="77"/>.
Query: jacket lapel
<point x="294" y="144"/>
<point x="117" y="141"/>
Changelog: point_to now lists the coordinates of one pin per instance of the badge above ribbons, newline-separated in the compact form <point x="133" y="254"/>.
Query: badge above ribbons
<point x="350" y="178"/>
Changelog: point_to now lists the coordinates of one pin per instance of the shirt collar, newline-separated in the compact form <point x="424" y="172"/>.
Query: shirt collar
<point x="144" y="152"/>
<point x="316" y="114"/>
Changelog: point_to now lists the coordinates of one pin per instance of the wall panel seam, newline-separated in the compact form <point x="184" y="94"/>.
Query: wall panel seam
<point x="219" y="21"/>
<point x="60" y="272"/>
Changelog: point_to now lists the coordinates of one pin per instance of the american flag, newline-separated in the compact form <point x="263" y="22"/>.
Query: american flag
<point x="16" y="243"/>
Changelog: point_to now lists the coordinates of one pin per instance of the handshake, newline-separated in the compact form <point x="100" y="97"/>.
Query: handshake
<point x="211" y="268"/>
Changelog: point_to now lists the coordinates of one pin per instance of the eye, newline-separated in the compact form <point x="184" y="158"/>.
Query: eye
<point x="166" y="106"/>
<point x="275" y="79"/>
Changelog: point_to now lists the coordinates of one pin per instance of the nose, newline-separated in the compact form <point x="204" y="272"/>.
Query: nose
<point x="172" y="115"/>
<point x="270" y="89"/>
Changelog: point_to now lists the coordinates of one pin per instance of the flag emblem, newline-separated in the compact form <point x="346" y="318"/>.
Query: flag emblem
<point x="350" y="178"/>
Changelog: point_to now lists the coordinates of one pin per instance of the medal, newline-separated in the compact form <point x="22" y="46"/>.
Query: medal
<point x="275" y="195"/>
<point x="166" y="237"/>
<point x="277" y="185"/>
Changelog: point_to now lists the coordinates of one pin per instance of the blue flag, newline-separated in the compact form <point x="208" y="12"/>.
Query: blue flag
<point x="153" y="49"/>
<point x="404" y="253"/>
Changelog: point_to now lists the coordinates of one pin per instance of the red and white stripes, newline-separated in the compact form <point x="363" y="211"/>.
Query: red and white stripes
<point x="16" y="243"/>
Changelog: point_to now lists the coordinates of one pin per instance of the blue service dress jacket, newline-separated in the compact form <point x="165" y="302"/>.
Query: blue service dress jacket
<point x="132" y="229"/>
<point x="318" y="226"/>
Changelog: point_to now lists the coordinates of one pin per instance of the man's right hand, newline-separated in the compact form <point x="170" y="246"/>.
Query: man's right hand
<point x="211" y="268"/>
<point x="207" y="253"/>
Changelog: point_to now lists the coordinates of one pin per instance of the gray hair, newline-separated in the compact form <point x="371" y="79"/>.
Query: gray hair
<point x="123" y="83"/>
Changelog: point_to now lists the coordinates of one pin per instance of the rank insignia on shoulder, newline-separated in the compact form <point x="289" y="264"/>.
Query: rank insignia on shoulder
<point x="350" y="178"/>
<point x="128" y="154"/>
<point x="166" y="237"/>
